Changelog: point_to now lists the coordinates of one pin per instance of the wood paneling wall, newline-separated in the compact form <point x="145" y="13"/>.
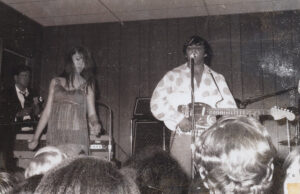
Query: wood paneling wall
<point x="257" y="53"/>
<point x="22" y="35"/>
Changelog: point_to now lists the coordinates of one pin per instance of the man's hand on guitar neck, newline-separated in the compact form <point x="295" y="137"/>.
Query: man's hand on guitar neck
<point x="185" y="125"/>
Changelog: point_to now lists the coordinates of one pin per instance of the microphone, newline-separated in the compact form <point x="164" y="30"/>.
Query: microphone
<point x="192" y="60"/>
<point x="192" y="56"/>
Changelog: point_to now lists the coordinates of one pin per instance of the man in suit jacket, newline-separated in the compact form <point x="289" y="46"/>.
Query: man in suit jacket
<point x="22" y="102"/>
<point x="21" y="106"/>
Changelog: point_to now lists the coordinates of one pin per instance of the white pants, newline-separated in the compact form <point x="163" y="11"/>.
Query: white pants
<point x="180" y="149"/>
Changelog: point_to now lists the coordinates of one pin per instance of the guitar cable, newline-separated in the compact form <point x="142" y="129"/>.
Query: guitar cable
<point x="217" y="88"/>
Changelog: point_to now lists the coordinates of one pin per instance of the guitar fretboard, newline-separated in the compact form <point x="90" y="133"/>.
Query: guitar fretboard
<point x="204" y="109"/>
<point x="235" y="111"/>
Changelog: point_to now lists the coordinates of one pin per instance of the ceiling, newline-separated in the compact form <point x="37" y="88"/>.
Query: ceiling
<point x="66" y="12"/>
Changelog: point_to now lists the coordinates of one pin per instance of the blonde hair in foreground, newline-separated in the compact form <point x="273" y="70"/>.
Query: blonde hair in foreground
<point x="235" y="155"/>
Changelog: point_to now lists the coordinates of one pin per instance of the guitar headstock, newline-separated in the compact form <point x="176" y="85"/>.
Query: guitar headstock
<point x="280" y="113"/>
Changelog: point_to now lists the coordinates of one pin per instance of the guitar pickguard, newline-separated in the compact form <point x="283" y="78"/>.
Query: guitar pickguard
<point x="202" y="120"/>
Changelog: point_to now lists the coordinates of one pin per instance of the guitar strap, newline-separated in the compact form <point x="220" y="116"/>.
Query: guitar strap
<point x="172" y="138"/>
<point x="216" y="86"/>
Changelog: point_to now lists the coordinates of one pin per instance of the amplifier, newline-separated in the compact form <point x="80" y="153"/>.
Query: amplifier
<point x="142" y="109"/>
<point x="99" y="147"/>
<point x="21" y="150"/>
<point x="149" y="133"/>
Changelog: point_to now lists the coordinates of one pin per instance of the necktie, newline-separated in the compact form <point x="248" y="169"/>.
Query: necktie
<point x="26" y="101"/>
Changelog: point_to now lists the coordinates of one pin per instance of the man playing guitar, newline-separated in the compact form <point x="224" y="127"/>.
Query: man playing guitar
<point x="172" y="96"/>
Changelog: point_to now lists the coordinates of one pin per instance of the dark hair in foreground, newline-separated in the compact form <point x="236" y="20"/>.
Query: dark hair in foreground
<point x="7" y="182"/>
<point x="155" y="170"/>
<point x="28" y="185"/>
<point x="86" y="175"/>
<point x="88" y="71"/>
<point x="235" y="155"/>
<point x="199" y="41"/>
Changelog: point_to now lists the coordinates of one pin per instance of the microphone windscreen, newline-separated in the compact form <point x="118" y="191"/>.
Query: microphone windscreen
<point x="192" y="56"/>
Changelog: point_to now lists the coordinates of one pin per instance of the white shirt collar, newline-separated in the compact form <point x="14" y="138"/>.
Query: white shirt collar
<point x="20" y="91"/>
<point x="206" y="69"/>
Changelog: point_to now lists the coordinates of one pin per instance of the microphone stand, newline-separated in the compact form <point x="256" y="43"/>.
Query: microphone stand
<point x="248" y="101"/>
<point x="193" y="114"/>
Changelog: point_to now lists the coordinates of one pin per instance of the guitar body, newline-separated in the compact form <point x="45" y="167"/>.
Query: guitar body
<point x="202" y="120"/>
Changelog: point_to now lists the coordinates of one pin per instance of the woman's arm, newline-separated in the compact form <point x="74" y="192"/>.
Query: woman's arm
<point x="44" y="117"/>
<point x="92" y="115"/>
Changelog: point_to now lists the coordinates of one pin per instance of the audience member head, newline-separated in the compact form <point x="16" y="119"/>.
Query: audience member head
<point x="7" y="182"/>
<point x="72" y="150"/>
<point x="44" y="160"/>
<point x="18" y="172"/>
<point x="154" y="170"/>
<point x="86" y="175"/>
<point x="292" y="169"/>
<point x="28" y="185"/>
<point x="199" y="41"/>
<point x="79" y="55"/>
<point x="21" y="76"/>
<point x="235" y="155"/>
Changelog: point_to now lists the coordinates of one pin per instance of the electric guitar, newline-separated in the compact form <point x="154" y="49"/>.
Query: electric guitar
<point x="204" y="113"/>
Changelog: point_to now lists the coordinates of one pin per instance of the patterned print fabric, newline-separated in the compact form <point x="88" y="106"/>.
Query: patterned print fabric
<point x="68" y="123"/>
<point x="175" y="89"/>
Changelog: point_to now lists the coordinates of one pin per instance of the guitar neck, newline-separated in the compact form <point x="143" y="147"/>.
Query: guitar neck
<point x="235" y="111"/>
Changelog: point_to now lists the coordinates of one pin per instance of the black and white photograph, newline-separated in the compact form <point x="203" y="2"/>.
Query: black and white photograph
<point x="150" y="96"/>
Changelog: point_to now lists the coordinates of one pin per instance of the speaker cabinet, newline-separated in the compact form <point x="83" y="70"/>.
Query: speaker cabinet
<point x="149" y="133"/>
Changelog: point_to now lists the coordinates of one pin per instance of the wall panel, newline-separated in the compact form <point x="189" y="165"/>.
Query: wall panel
<point x="128" y="78"/>
<point x="23" y="36"/>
